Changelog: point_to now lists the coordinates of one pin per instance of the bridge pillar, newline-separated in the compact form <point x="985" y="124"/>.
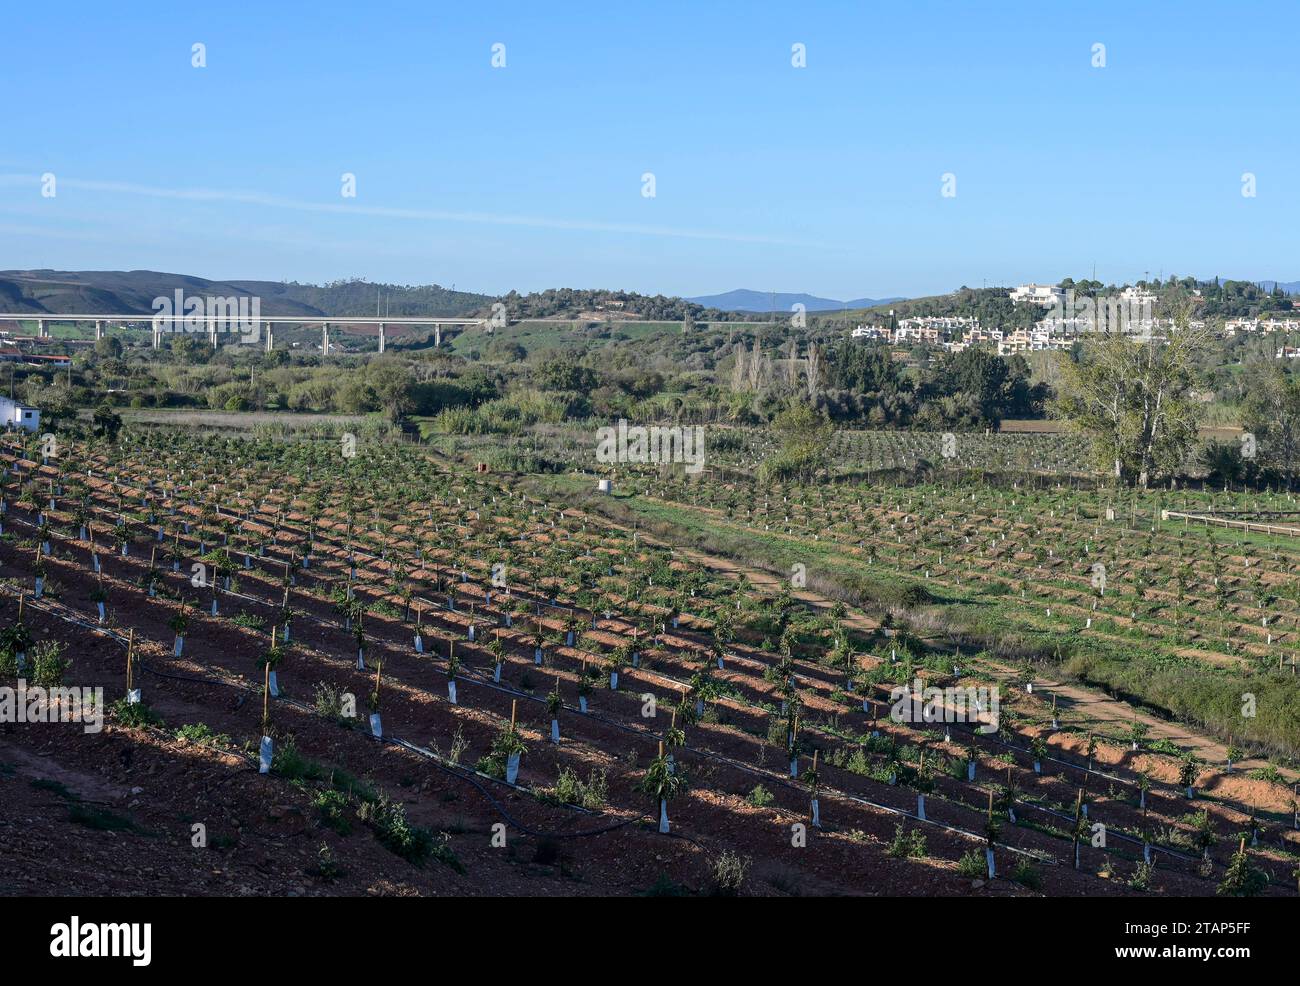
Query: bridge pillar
<point x="99" y="331"/>
<point x="40" y="328"/>
<point x="381" y="337"/>
<point x="270" y="340"/>
<point x="437" y="336"/>
<point x="324" y="339"/>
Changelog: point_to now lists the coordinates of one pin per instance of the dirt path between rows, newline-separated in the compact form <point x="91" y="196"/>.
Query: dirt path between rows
<point x="1098" y="707"/>
<point x="1090" y="704"/>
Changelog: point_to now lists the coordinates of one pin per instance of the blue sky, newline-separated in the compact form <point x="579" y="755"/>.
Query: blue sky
<point x="823" y="179"/>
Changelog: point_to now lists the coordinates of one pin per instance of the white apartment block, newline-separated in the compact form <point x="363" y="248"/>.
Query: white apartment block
<point x="1031" y="341"/>
<point x="1137" y="296"/>
<point x="1234" y="325"/>
<point x="1046" y="295"/>
<point x="935" y="327"/>
<point x="917" y="333"/>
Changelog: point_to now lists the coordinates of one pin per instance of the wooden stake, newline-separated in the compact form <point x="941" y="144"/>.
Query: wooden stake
<point x="266" y="698"/>
<point x="514" y="711"/>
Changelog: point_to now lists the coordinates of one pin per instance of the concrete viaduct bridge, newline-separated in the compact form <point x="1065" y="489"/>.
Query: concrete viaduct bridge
<point x="258" y="330"/>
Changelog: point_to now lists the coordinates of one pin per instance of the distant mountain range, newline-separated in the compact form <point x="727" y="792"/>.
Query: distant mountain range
<point x="95" y="292"/>
<point x="742" y="300"/>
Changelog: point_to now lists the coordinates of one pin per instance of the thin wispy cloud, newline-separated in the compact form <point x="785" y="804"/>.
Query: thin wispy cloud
<point x="261" y="200"/>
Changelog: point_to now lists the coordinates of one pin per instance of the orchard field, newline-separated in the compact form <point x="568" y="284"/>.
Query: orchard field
<point x="403" y="669"/>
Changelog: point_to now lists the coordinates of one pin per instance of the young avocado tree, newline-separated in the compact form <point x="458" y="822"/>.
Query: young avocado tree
<point x="266" y="750"/>
<point x="1080" y="825"/>
<point x="286" y="617"/>
<point x="673" y="739"/>
<point x="1241" y="878"/>
<point x="1007" y="796"/>
<point x="554" y="703"/>
<point x="1137" y="732"/>
<point x="357" y="619"/>
<point x="508" y="747"/>
<point x="663" y="781"/>
<point x="1235" y="754"/>
<point x="16" y="638"/>
<point x="619" y="658"/>
<point x="702" y="689"/>
<point x="272" y="658"/>
<point x="1187" y="774"/>
<point x="220" y="560"/>
<point x="98" y="597"/>
<point x="1038" y="749"/>
<point x="811" y="778"/>
<point x="1204" y="838"/>
<point x="990" y="840"/>
<point x="178" y="623"/>
<point x="132" y="689"/>
<point x="793" y="744"/>
<point x="498" y="651"/>
<point x="38" y="569"/>
<point x="376" y="724"/>
<point x="586" y="685"/>
<point x="121" y="536"/>
<point x="453" y="669"/>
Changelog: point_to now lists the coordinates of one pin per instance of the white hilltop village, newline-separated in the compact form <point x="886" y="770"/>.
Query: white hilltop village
<point x="1059" y="328"/>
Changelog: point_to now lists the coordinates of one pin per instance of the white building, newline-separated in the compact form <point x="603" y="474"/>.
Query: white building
<point x="935" y="328"/>
<point x="1046" y="295"/>
<point x="872" y="332"/>
<point x="15" y="415"/>
<point x="1137" y="296"/>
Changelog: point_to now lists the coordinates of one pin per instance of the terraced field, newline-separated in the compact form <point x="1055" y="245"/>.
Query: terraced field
<point x="502" y="683"/>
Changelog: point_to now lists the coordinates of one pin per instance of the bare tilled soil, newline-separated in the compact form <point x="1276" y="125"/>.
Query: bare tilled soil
<point x="174" y="803"/>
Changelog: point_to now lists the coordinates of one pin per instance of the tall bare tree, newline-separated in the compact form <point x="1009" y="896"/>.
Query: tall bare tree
<point x="814" y="376"/>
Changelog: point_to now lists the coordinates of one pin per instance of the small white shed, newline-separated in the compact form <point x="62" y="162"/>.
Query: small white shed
<point x="17" y="415"/>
